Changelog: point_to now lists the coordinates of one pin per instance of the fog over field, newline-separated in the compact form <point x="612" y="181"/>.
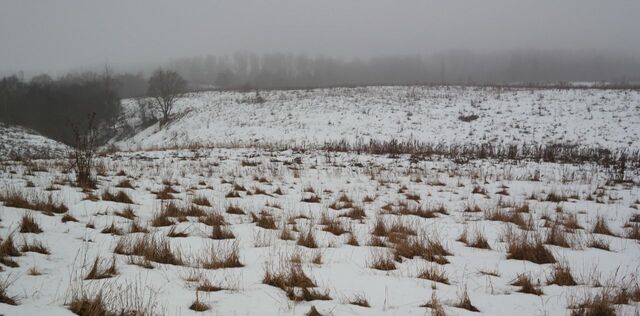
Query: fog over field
<point x="58" y="36"/>
<point x="329" y="157"/>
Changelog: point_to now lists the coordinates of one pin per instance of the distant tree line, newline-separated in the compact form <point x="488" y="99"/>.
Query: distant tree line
<point x="279" y="70"/>
<point x="51" y="106"/>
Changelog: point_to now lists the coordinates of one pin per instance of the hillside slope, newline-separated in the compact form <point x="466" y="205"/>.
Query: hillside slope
<point x="604" y="118"/>
<point x="17" y="141"/>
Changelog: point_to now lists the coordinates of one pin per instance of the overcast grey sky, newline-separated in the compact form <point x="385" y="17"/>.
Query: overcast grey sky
<point x="57" y="35"/>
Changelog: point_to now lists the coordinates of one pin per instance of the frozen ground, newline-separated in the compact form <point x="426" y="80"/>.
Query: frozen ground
<point x="606" y="118"/>
<point x="17" y="141"/>
<point x="404" y="248"/>
<point x="246" y="231"/>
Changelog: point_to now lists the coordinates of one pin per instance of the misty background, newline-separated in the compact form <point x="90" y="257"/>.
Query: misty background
<point x="327" y="42"/>
<point x="61" y="60"/>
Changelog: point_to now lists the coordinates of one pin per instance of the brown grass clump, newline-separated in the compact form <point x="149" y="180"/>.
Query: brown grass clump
<point x="234" y="209"/>
<point x="528" y="247"/>
<point x="98" y="271"/>
<point x="356" y="213"/>
<point x="207" y="286"/>
<point x="527" y="286"/>
<point x="556" y="197"/>
<point x="507" y="217"/>
<point x="125" y="184"/>
<point x="4" y="297"/>
<point x="291" y="278"/>
<point x="221" y="232"/>
<point x="17" y="200"/>
<point x="28" y="224"/>
<point x="436" y="307"/>
<point x="381" y="260"/>
<point x="594" y="305"/>
<point x="113" y="230"/>
<point x="478" y="240"/>
<point x="84" y="305"/>
<point x="433" y="273"/>
<point x="359" y="300"/>
<point x="35" y="246"/>
<point x="127" y="213"/>
<point x="212" y="219"/>
<point x="430" y="249"/>
<point x="264" y="220"/>
<point x="601" y="227"/>
<point x="313" y="198"/>
<point x="307" y="239"/>
<point x="561" y="275"/>
<point x="166" y="193"/>
<point x="120" y="197"/>
<point x="232" y="194"/>
<point x="135" y="227"/>
<point x="557" y="237"/>
<point x="198" y="306"/>
<point x="152" y="248"/>
<point x="335" y="227"/>
<point x="68" y="218"/>
<point x="465" y="302"/>
<point x="219" y="256"/>
<point x="201" y="200"/>
<point x="598" y="243"/>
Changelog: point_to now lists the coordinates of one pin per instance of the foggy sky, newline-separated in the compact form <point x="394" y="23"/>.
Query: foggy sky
<point x="57" y="36"/>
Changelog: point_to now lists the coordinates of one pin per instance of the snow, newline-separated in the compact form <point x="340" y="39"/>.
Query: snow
<point x="16" y="141"/>
<point x="604" y="118"/>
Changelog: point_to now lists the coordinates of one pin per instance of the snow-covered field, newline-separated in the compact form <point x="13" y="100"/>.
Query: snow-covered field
<point x="363" y="229"/>
<point x="605" y="118"/>
<point x="17" y="141"/>
<point x="257" y="231"/>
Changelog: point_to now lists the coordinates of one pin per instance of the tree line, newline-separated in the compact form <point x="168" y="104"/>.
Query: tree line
<point x="283" y="70"/>
<point x="57" y="108"/>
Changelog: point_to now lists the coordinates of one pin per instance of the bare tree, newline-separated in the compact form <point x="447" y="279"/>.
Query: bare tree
<point x="84" y="151"/>
<point x="165" y="87"/>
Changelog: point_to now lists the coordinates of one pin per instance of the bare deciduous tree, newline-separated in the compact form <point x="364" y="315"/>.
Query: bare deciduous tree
<point x="165" y="87"/>
<point x="84" y="151"/>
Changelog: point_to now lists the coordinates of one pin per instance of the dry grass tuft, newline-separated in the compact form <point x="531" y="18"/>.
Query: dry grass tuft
<point x="127" y="213"/>
<point x="307" y="239"/>
<point x="221" y="232"/>
<point x="17" y="200"/>
<point x="433" y="273"/>
<point x="35" y="246"/>
<point x="561" y="275"/>
<point x="381" y="260"/>
<point x="68" y="218"/>
<point x="197" y="305"/>
<point x="527" y="246"/>
<point x="4" y="297"/>
<point x="151" y="248"/>
<point x="359" y="300"/>
<point x="99" y="271"/>
<point x="120" y="197"/>
<point x="234" y="209"/>
<point x="28" y="224"/>
<point x="264" y="220"/>
<point x="601" y="227"/>
<point x="201" y="200"/>
<point x="527" y="286"/>
<point x="225" y="255"/>
<point x="465" y="302"/>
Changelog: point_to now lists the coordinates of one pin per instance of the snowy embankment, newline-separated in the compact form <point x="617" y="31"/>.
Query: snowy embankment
<point x="602" y="118"/>
<point x="17" y="141"/>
